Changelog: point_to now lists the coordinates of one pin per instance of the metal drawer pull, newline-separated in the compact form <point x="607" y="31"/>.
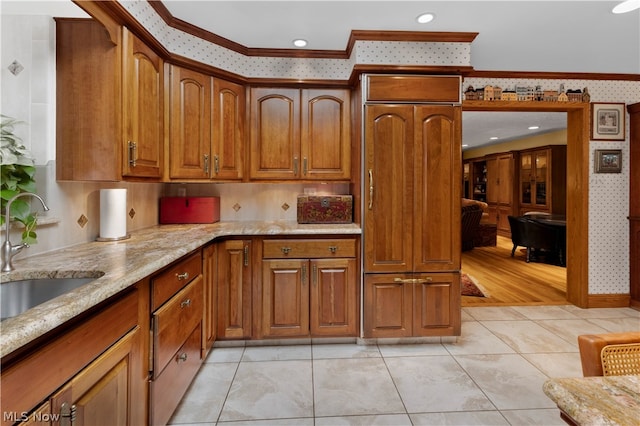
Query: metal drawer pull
<point x="181" y="357"/>
<point x="285" y="250"/>
<point x="182" y="276"/>
<point x="412" y="280"/>
<point x="185" y="303"/>
<point x="333" y="249"/>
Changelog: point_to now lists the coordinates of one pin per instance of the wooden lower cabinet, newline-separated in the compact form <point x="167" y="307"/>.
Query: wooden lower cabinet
<point x="102" y="392"/>
<point x="210" y="293"/>
<point x="411" y="305"/>
<point x="303" y="297"/>
<point x="234" y="289"/>
<point x="93" y="367"/>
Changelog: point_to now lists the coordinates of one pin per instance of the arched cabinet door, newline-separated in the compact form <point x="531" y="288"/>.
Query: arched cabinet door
<point x="143" y="111"/>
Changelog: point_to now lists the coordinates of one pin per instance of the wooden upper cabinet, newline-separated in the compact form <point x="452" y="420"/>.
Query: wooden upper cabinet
<point x="325" y="138"/>
<point x="227" y="145"/>
<point x="190" y="124"/>
<point x="109" y="118"/>
<point x="207" y="127"/>
<point x="300" y="134"/>
<point x="143" y="100"/>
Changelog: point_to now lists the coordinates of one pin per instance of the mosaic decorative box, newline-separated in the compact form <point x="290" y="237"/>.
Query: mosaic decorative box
<point x="325" y="208"/>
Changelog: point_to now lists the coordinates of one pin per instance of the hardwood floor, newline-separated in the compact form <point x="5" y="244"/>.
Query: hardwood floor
<point x="510" y="280"/>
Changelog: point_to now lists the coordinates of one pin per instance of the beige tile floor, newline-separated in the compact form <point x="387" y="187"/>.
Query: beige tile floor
<point x="492" y="375"/>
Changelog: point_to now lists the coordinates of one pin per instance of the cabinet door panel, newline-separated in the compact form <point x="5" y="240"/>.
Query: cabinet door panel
<point x="325" y="138"/>
<point x="190" y="124"/>
<point x="436" y="303"/>
<point x="436" y="211"/>
<point x="275" y="133"/>
<point x="388" y="306"/>
<point x="333" y="297"/>
<point x="389" y="189"/>
<point x="285" y="298"/>
<point x="210" y="293"/>
<point x="102" y="392"/>
<point x="234" y="289"/>
<point x="228" y="130"/>
<point x="143" y="109"/>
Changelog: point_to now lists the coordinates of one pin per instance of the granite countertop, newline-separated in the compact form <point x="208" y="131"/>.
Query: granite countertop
<point x="611" y="400"/>
<point x="124" y="263"/>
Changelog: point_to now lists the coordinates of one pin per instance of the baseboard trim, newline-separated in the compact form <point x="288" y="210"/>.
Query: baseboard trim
<point x="609" y="300"/>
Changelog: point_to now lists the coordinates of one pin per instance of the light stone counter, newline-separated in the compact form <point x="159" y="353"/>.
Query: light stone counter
<point x="612" y="400"/>
<point x="124" y="263"/>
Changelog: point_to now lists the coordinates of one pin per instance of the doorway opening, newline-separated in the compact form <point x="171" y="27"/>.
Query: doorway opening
<point x="577" y="177"/>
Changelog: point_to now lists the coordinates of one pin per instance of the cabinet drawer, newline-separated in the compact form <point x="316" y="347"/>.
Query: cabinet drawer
<point x="173" y="322"/>
<point x="173" y="279"/>
<point x="308" y="249"/>
<point x="168" y="389"/>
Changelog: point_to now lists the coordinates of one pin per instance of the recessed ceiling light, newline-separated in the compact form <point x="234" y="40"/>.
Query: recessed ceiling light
<point x="464" y="145"/>
<point x="534" y="127"/>
<point x="626" y="6"/>
<point x="493" y="138"/>
<point x="425" y="17"/>
<point x="299" y="42"/>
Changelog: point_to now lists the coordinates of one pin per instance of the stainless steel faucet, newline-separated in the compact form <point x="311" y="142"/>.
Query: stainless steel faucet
<point x="8" y="250"/>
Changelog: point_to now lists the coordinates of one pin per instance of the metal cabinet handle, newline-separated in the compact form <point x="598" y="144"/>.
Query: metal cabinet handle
<point x="185" y="303"/>
<point x="333" y="249"/>
<point x="285" y="250"/>
<point x="216" y="164"/>
<point x="412" y="280"/>
<point x="246" y="255"/>
<point x="304" y="166"/>
<point x="182" y="276"/>
<point x="133" y="153"/>
<point x="181" y="357"/>
<point x="67" y="414"/>
<point x="370" y="189"/>
<point x="295" y="166"/>
<point x="314" y="275"/>
<point x="304" y="274"/>
<point x="206" y="163"/>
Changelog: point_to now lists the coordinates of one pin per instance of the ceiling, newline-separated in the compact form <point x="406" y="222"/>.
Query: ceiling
<point x="513" y="36"/>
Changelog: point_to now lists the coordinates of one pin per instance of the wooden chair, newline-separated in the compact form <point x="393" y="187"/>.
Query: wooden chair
<point x="611" y="354"/>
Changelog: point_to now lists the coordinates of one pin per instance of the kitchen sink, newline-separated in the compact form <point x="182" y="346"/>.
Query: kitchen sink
<point x="18" y="296"/>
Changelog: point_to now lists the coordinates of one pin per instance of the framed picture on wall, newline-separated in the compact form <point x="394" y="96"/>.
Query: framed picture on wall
<point x="608" y="160"/>
<point x="607" y="122"/>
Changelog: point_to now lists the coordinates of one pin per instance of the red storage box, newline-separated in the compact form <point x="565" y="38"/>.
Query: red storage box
<point x="189" y="209"/>
<point x="325" y="209"/>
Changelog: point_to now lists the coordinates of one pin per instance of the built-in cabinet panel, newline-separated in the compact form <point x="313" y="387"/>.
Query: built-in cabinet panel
<point x="210" y="293"/>
<point x="300" y="134"/>
<point x="412" y="170"/>
<point x="500" y="190"/>
<point x="234" y="289"/>
<point x="542" y="180"/>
